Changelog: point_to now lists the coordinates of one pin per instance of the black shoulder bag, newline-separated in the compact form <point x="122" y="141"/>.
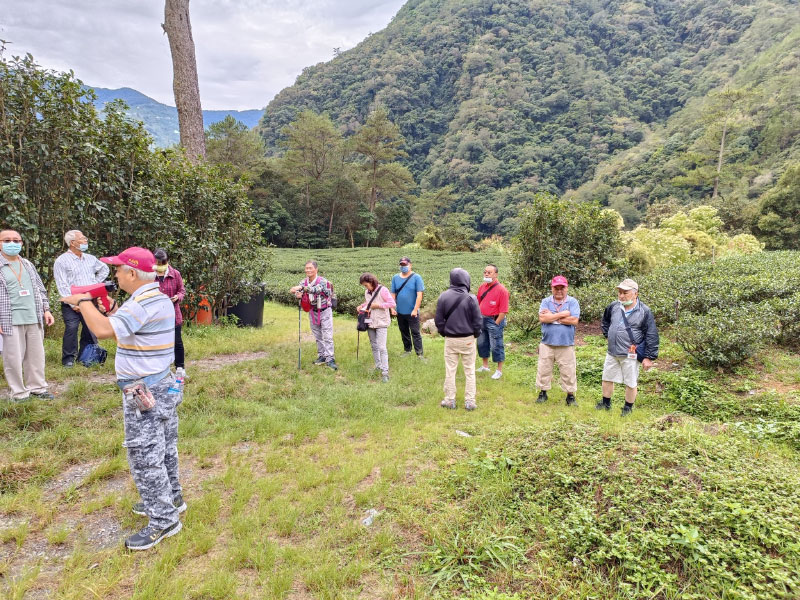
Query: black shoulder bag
<point x="639" y="348"/>
<point x="452" y="308"/>
<point x="362" y="316"/>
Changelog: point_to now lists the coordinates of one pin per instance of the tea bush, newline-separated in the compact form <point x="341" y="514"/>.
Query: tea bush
<point x="726" y="337"/>
<point x="726" y="310"/>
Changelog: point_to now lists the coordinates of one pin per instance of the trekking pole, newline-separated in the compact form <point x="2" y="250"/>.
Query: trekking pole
<point x="299" y="320"/>
<point x="358" y="342"/>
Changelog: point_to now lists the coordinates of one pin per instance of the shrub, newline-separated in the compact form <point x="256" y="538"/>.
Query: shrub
<point x="787" y="311"/>
<point x="726" y="337"/>
<point x="578" y="240"/>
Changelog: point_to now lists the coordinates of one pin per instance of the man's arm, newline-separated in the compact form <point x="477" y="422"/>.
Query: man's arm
<point x="98" y="323"/>
<point x="60" y="275"/>
<point x="101" y="271"/>
<point x="415" y="312"/>
<point x="605" y="324"/>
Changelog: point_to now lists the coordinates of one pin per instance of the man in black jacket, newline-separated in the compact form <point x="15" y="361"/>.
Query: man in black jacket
<point x="632" y="336"/>
<point x="458" y="319"/>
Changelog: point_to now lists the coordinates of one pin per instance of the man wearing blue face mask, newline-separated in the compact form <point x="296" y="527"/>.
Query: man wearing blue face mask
<point x="76" y="267"/>
<point x="632" y="336"/>
<point x="24" y="311"/>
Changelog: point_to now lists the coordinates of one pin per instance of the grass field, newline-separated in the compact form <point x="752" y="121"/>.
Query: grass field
<point x="280" y="466"/>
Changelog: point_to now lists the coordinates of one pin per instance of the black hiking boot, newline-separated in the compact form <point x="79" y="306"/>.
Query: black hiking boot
<point x="571" y="400"/>
<point x="319" y="362"/>
<point x="331" y="364"/>
<point x="542" y="397"/>
<point x="626" y="409"/>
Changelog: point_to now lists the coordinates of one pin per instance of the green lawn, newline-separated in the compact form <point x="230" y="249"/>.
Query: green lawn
<point x="281" y="466"/>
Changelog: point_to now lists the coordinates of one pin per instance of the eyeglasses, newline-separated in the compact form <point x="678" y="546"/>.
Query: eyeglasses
<point x="17" y="241"/>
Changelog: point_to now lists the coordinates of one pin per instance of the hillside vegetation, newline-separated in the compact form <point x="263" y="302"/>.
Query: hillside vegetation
<point x="499" y="100"/>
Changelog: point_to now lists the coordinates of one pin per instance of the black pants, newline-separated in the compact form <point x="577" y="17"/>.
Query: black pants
<point x="70" y="350"/>
<point x="179" y="357"/>
<point x="409" y="328"/>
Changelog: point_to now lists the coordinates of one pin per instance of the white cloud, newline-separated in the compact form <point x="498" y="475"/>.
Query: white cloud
<point x="247" y="50"/>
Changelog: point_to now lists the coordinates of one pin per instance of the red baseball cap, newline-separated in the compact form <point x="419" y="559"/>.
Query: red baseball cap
<point x="559" y="280"/>
<point x="138" y="258"/>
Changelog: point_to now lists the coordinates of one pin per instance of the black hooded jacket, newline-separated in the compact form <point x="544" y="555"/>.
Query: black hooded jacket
<point x="464" y="319"/>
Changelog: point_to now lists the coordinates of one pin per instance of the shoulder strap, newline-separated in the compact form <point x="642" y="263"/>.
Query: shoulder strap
<point x="374" y="295"/>
<point x="483" y="295"/>
<point x="455" y="306"/>
<point x="627" y="326"/>
<point x="404" y="283"/>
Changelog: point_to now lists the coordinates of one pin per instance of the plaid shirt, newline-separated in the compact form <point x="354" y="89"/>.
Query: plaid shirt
<point x="172" y="285"/>
<point x="39" y="296"/>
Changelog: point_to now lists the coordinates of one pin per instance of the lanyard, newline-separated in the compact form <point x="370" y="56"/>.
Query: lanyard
<point x="17" y="275"/>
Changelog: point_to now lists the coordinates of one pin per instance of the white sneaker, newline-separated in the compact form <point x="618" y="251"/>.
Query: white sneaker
<point x="497" y="374"/>
<point x="482" y="369"/>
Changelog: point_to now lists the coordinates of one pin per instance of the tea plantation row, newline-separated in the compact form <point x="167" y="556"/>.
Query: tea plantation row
<point x="344" y="266"/>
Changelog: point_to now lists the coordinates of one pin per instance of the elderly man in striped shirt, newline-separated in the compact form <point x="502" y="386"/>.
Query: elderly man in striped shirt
<point x="76" y="267"/>
<point x="144" y="328"/>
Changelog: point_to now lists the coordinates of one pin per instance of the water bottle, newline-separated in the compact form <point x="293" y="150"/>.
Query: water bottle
<point x="176" y="387"/>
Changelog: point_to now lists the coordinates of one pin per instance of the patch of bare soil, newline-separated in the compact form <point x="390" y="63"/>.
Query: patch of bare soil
<point x="212" y="363"/>
<point x="74" y="476"/>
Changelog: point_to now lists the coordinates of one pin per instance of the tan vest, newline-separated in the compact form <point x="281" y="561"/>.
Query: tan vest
<point x="380" y="316"/>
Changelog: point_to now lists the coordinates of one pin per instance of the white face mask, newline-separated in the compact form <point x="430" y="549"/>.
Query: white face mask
<point x="627" y="302"/>
<point x="487" y="280"/>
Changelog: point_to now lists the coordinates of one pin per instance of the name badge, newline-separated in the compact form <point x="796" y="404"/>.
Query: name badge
<point x="24" y="293"/>
<point x="632" y="355"/>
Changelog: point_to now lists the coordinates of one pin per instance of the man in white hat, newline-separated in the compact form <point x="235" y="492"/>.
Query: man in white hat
<point x="630" y="328"/>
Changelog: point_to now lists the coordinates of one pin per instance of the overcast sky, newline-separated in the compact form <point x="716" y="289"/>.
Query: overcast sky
<point x="247" y="50"/>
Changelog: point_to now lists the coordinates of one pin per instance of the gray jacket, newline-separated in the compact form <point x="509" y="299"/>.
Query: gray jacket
<point x="642" y="324"/>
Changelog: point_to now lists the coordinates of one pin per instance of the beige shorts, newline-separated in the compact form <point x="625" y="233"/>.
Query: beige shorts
<point x="621" y="369"/>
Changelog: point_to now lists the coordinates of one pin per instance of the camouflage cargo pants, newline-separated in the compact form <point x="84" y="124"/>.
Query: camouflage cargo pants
<point x="151" y="439"/>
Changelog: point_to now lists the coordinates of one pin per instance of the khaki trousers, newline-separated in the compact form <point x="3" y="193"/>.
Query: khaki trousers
<point x="462" y="349"/>
<point x="564" y="357"/>
<point x="24" y="351"/>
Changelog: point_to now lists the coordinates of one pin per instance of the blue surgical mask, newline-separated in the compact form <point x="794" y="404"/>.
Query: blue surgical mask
<point x="83" y="247"/>
<point x="12" y="248"/>
<point x="405" y="269"/>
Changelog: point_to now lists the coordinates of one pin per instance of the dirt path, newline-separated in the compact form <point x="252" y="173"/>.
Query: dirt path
<point x="211" y="363"/>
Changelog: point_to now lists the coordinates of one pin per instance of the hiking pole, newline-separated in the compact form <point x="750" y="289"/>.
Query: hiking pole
<point x="358" y="342"/>
<point x="299" y="320"/>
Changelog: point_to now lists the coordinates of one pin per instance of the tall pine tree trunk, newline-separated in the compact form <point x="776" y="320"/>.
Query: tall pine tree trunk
<point x="184" y="81"/>
<point x="719" y="161"/>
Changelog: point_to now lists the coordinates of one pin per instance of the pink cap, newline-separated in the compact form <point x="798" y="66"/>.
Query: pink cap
<point x="559" y="280"/>
<point x="138" y="258"/>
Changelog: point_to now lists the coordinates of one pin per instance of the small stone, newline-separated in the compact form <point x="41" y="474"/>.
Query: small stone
<point x="462" y="433"/>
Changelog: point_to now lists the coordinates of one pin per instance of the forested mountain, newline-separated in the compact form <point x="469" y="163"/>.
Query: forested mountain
<point x="160" y="120"/>
<point x="503" y="99"/>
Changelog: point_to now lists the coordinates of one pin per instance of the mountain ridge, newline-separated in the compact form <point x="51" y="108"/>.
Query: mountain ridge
<point x="161" y="120"/>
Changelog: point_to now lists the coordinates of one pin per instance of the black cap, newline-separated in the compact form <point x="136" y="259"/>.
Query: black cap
<point x="160" y="254"/>
<point x="405" y="259"/>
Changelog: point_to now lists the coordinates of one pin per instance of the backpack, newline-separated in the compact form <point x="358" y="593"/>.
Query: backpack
<point x="93" y="354"/>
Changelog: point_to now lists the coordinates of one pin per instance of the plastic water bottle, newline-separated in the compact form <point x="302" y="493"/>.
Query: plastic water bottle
<point x="176" y="387"/>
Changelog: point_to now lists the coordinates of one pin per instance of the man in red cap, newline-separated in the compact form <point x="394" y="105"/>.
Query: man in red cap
<point x="558" y="315"/>
<point x="144" y="328"/>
